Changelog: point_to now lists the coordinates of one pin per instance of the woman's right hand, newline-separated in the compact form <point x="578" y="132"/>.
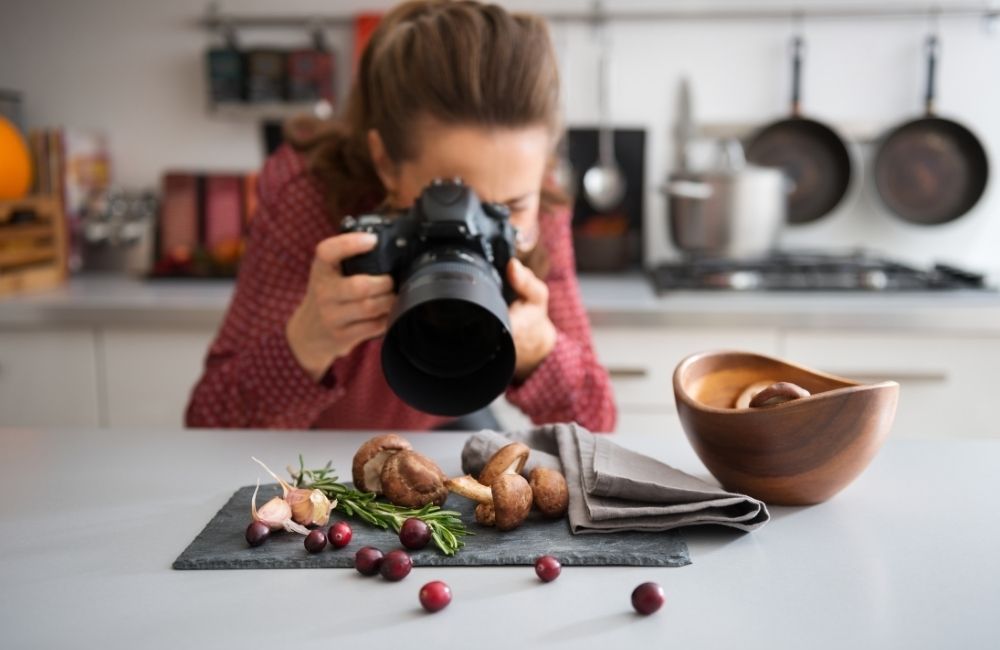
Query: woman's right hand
<point x="338" y="312"/>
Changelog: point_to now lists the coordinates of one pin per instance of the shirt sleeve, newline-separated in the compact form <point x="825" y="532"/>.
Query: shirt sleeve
<point x="251" y="377"/>
<point x="570" y="385"/>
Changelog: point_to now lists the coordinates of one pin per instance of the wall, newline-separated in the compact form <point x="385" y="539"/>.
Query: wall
<point x="134" y="69"/>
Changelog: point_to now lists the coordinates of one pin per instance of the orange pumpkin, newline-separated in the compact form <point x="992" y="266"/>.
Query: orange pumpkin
<point x="15" y="163"/>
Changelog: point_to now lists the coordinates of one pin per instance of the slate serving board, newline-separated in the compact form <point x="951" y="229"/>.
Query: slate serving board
<point x="221" y="545"/>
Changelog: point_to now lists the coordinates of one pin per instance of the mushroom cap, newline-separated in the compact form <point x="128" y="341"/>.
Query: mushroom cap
<point x="550" y="492"/>
<point x="412" y="480"/>
<point x="511" y="500"/>
<point x="366" y="469"/>
<point x="509" y="459"/>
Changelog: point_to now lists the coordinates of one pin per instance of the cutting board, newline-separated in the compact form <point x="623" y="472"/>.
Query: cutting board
<point x="221" y="544"/>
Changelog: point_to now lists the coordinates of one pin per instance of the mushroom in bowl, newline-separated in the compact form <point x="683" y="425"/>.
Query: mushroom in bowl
<point x="807" y="436"/>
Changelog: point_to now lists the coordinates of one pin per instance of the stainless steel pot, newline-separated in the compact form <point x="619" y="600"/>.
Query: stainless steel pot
<point x="736" y="210"/>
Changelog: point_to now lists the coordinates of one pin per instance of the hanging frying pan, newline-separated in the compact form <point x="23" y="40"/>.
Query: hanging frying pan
<point x="814" y="157"/>
<point x="930" y="170"/>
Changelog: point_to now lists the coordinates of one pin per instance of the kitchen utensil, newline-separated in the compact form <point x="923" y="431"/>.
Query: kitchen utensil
<point x="604" y="183"/>
<point x="683" y="126"/>
<point x="797" y="453"/>
<point x="930" y="170"/>
<point x="813" y="155"/>
<point x="735" y="210"/>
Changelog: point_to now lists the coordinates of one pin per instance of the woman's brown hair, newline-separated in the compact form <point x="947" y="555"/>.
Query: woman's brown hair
<point x="457" y="62"/>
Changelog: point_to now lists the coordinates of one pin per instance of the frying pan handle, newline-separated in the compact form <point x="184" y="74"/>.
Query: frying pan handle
<point x="797" y="47"/>
<point x="933" y="50"/>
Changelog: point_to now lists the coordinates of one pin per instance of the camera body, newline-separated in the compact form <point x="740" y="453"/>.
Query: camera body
<point x="449" y="347"/>
<point x="448" y="220"/>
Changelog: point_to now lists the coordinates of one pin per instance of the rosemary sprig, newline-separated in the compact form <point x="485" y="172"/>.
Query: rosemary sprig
<point x="447" y="529"/>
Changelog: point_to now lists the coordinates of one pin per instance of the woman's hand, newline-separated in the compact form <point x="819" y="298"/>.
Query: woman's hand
<point x="534" y="334"/>
<point x="338" y="312"/>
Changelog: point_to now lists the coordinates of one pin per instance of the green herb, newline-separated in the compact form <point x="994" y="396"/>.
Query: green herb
<point x="447" y="529"/>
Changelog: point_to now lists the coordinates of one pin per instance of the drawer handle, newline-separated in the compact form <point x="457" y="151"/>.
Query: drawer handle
<point x="926" y="376"/>
<point x="628" y="372"/>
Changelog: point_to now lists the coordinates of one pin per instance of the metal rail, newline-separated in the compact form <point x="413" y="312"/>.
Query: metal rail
<point x="215" y="19"/>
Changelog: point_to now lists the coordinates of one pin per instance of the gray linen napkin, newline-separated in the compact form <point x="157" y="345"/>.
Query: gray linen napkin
<point x="613" y="489"/>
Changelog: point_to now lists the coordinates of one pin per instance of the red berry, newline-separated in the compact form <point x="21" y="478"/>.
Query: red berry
<point x="435" y="596"/>
<point x="647" y="598"/>
<point x="547" y="568"/>
<point x="368" y="560"/>
<point x="414" y="533"/>
<point x="340" y="534"/>
<point x="396" y="565"/>
<point x="315" y="541"/>
<point x="257" y="533"/>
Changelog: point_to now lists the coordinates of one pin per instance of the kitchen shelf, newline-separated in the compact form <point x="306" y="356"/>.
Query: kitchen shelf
<point x="263" y="111"/>
<point x="215" y="19"/>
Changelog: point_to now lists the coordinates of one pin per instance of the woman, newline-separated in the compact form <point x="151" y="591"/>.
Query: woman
<point x="444" y="90"/>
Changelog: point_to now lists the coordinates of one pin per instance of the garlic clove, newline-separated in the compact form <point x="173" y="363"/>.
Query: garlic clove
<point x="312" y="510"/>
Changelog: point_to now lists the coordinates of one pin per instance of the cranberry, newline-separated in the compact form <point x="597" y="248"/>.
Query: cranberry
<point x="414" y="533"/>
<point x="647" y="598"/>
<point x="547" y="568"/>
<point x="368" y="560"/>
<point x="396" y="565"/>
<point x="435" y="596"/>
<point x="257" y="533"/>
<point x="340" y="534"/>
<point x="315" y="541"/>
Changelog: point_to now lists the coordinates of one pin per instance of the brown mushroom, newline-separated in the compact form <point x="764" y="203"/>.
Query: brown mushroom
<point x="743" y="400"/>
<point x="508" y="497"/>
<point x="509" y="459"/>
<point x="371" y="456"/>
<point x="778" y="393"/>
<point x="412" y="480"/>
<point x="549" y="491"/>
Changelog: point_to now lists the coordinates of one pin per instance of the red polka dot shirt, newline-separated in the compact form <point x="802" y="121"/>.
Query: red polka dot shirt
<point x="251" y="378"/>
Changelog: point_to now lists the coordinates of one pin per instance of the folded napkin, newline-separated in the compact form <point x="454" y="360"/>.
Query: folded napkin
<point x="612" y="489"/>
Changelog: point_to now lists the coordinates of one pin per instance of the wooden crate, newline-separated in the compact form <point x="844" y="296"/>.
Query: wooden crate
<point x="32" y="253"/>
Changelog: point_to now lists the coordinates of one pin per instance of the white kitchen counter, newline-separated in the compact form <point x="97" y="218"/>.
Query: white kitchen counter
<point x="92" y="519"/>
<point x="611" y="300"/>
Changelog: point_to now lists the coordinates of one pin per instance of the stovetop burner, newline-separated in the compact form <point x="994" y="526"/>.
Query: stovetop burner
<point x="808" y="271"/>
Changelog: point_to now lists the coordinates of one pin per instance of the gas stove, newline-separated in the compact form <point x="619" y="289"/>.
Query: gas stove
<point x="806" y="271"/>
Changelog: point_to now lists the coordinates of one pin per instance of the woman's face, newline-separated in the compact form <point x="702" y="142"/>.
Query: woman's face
<point x="502" y="165"/>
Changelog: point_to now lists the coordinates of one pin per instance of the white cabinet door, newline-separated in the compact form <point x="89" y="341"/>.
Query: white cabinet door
<point x="641" y="360"/>
<point x="49" y="377"/>
<point x="947" y="385"/>
<point x="150" y="373"/>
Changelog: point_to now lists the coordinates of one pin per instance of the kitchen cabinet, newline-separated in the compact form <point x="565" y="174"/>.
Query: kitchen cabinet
<point x="943" y="379"/>
<point x="149" y="373"/>
<point x="49" y="377"/>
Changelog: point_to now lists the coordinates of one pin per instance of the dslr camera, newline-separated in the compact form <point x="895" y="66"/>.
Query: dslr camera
<point x="448" y="349"/>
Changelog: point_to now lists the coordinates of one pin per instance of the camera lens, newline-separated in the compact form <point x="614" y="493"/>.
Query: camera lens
<point x="449" y="350"/>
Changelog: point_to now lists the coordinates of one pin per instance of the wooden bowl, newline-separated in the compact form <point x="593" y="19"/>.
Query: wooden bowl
<point x="799" y="452"/>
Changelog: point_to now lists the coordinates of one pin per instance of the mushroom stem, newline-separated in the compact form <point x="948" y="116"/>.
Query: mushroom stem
<point x="470" y="488"/>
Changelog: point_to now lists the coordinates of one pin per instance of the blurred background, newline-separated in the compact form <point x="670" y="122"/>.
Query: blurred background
<point x="142" y="125"/>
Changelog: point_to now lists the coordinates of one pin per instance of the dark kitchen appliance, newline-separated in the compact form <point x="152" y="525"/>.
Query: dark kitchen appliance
<point x="608" y="241"/>
<point x="806" y="271"/>
<point x="930" y="170"/>
<point x="813" y="155"/>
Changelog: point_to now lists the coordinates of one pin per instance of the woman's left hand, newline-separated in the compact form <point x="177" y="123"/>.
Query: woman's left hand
<point x="534" y="334"/>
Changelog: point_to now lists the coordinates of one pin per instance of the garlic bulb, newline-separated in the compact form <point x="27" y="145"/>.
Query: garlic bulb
<point x="309" y="507"/>
<point x="276" y="514"/>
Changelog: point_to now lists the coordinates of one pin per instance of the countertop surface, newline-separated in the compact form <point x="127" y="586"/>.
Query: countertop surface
<point x="905" y="557"/>
<point x="610" y="300"/>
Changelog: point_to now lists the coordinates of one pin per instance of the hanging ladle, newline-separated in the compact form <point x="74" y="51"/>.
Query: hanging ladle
<point x="604" y="182"/>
